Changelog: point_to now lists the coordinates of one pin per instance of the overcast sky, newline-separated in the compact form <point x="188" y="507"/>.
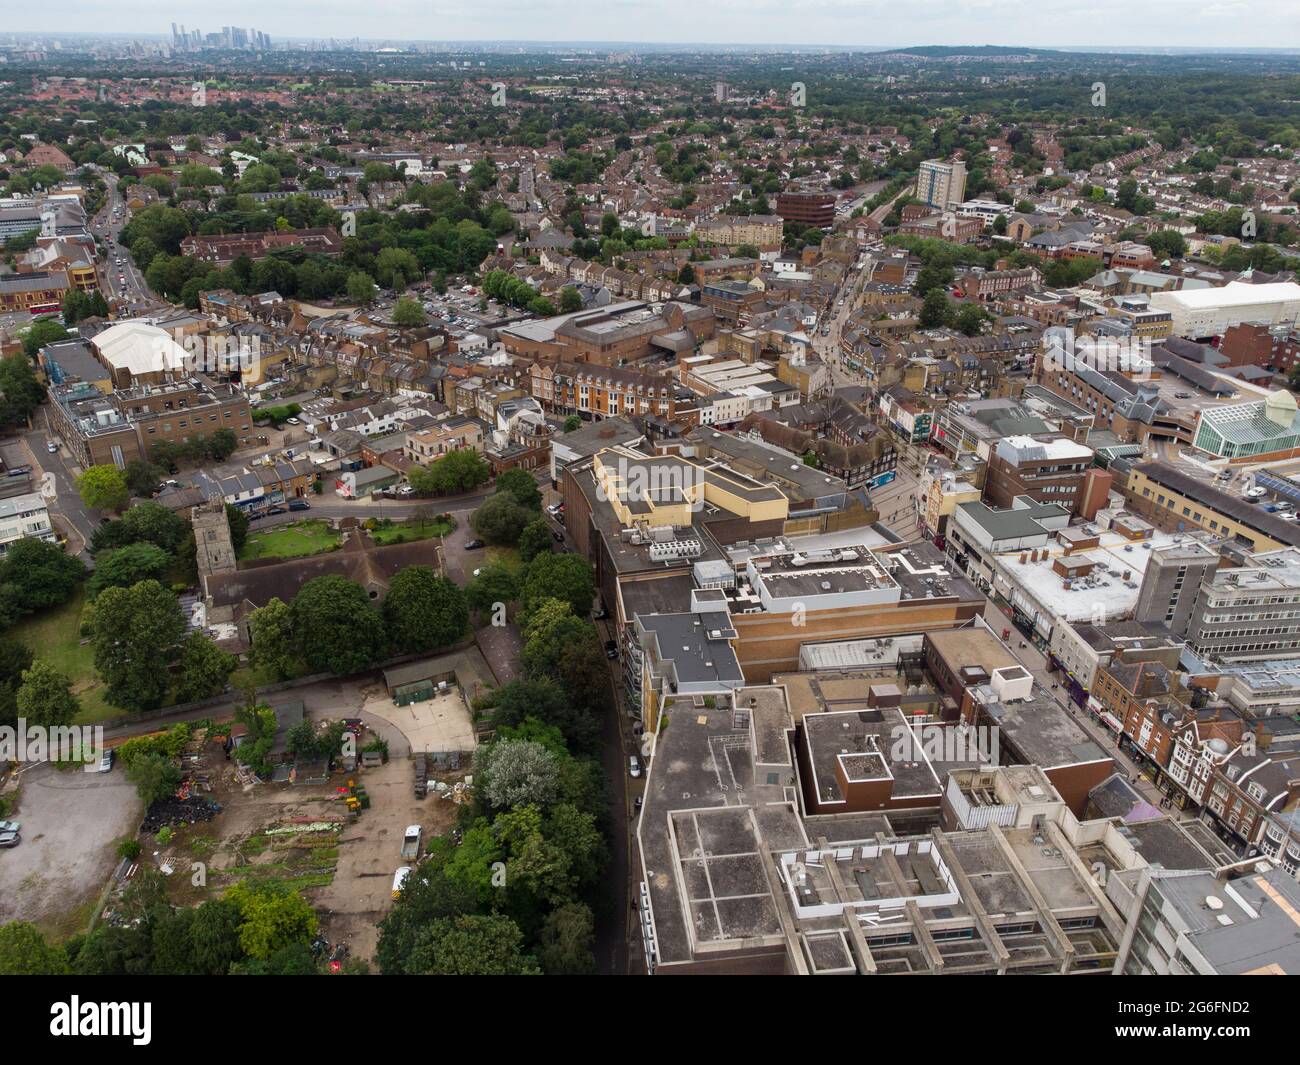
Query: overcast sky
<point x="880" y="23"/>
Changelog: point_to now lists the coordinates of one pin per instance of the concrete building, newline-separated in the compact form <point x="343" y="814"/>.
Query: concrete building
<point x="1202" y="924"/>
<point x="1170" y="584"/>
<point x="941" y="185"/>
<point x="1250" y="611"/>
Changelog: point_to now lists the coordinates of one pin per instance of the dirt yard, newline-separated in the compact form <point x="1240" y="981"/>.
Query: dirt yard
<point x="304" y="836"/>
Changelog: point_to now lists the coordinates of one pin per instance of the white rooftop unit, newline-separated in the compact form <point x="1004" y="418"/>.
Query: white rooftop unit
<point x="664" y="551"/>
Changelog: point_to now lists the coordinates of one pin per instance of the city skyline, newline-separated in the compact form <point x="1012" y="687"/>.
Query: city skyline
<point x="872" y="25"/>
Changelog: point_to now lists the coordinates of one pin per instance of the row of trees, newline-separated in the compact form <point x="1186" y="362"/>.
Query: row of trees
<point x="257" y="928"/>
<point x="331" y="625"/>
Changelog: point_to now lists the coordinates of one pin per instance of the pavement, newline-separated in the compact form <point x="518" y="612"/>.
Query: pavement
<point x="70" y="820"/>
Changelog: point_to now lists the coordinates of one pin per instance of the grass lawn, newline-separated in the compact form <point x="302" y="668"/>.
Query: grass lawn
<point x="406" y="532"/>
<point x="508" y="556"/>
<point x="52" y="636"/>
<point x="291" y="541"/>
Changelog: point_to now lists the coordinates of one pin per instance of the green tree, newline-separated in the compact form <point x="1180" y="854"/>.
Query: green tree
<point x="35" y="575"/>
<point x="271" y="917"/>
<point x="970" y="320"/>
<point x="517" y="773"/>
<point x="41" y="332"/>
<point x="473" y="945"/>
<point x="24" y="952"/>
<point x="148" y="522"/>
<point x="429" y="894"/>
<point x="273" y="650"/>
<point x="361" y="288"/>
<point x="204" y="668"/>
<point x="238" y="522"/>
<point x="132" y="630"/>
<point x="335" y="627"/>
<point x="154" y="775"/>
<point x="45" y="697"/>
<point x="522" y="486"/>
<point x="570" y="300"/>
<point x="103" y="488"/>
<point x="214" y="937"/>
<point x="408" y="313"/>
<point x="543" y="700"/>
<point x="572" y="422"/>
<point x="535" y="540"/>
<point x="142" y="476"/>
<point x="935" y="309"/>
<point x="15" y="660"/>
<point x="423" y="611"/>
<point x="566" y="577"/>
<point x="125" y="566"/>
<point x="565" y="945"/>
<point x="20" y="392"/>
<point x="495" y="583"/>
<point x="501" y="519"/>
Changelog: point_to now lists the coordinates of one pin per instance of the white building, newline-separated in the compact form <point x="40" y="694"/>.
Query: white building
<point x="23" y="516"/>
<point x="1204" y="312"/>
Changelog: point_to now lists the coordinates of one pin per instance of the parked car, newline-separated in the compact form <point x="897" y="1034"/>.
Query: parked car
<point x="104" y="765"/>
<point x="559" y="536"/>
<point x="299" y="504"/>
<point x="600" y="613"/>
<point x="473" y="545"/>
<point x="52" y="448"/>
<point x="611" y="650"/>
<point x="9" y="826"/>
<point x="636" y="805"/>
<point x="634" y="766"/>
<point x="10" y="839"/>
<point x="276" y="510"/>
<point x="554" y="508"/>
<point x="18" y="471"/>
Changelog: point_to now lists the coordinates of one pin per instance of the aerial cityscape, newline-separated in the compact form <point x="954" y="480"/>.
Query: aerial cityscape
<point x="552" y="507"/>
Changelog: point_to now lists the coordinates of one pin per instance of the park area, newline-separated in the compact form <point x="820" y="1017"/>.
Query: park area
<point x="55" y="635"/>
<point x="313" y="537"/>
